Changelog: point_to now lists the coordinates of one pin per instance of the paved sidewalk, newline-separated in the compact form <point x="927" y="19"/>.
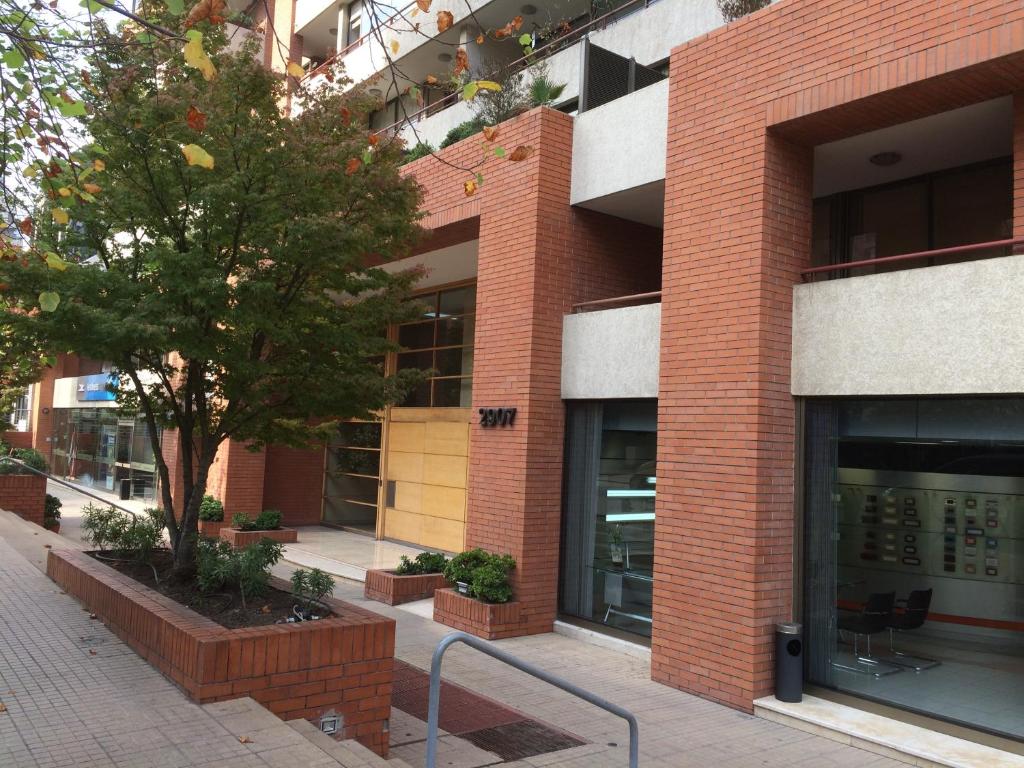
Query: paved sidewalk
<point x="75" y="695"/>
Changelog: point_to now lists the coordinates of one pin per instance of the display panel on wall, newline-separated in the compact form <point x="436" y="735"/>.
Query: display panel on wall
<point x="915" y="544"/>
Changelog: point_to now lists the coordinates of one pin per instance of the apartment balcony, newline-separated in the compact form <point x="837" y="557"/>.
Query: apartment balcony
<point x="612" y="351"/>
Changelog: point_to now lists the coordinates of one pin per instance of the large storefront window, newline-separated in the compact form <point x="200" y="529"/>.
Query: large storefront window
<point x="98" y="447"/>
<point x="914" y="555"/>
<point x="608" y="531"/>
<point x="441" y="342"/>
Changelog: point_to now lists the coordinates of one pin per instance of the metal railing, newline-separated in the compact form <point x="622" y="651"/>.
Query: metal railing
<point x="522" y="666"/>
<point x="1012" y="243"/>
<point x="618" y="301"/>
<point x="72" y="486"/>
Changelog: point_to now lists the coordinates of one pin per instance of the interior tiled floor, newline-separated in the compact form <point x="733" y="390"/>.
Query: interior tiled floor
<point x="977" y="684"/>
<point x="344" y="553"/>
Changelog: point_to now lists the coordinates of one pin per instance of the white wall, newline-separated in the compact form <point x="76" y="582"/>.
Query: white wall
<point x="620" y="145"/>
<point x="943" y="330"/>
<point x="612" y="353"/>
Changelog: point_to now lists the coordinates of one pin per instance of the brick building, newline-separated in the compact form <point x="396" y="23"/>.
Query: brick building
<point x="739" y="342"/>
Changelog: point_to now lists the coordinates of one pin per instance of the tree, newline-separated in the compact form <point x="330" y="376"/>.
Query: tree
<point x="21" y="360"/>
<point x="230" y="275"/>
<point x="735" y="9"/>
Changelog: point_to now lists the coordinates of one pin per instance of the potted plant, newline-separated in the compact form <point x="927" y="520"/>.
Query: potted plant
<point x="310" y="587"/>
<point x="413" y="579"/>
<point x="211" y="516"/>
<point x="51" y="513"/>
<point x="482" y="601"/>
<point x="245" y="530"/>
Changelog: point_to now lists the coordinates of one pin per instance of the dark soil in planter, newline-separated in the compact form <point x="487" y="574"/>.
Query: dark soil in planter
<point x="222" y="607"/>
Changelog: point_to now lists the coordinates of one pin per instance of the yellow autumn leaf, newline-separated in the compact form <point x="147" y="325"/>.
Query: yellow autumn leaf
<point x="488" y="85"/>
<point x="196" y="155"/>
<point x="60" y="216"/>
<point x="98" y="165"/>
<point x="53" y="261"/>
<point x="296" y="70"/>
<point x="196" y="57"/>
<point x="64" y="192"/>
<point x="394" y="47"/>
<point x="92" y="189"/>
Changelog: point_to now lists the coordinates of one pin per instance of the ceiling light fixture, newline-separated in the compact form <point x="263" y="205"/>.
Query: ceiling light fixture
<point x="333" y="30"/>
<point x="445" y="57"/>
<point x="528" y="10"/>
<point x="885" y="159"/>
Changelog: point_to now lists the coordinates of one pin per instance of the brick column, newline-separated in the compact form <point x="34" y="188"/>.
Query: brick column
<point x="236" y="478"/>
<point x="738" y="212"/>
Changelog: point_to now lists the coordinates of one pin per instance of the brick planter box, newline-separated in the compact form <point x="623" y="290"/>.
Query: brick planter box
<point x="211" y="528"/>
<point x="241" y="539"/>
<point x="388" y="587"/>
<point x="338" y="666"/>
<point x="490" y="621"/>
<point x="24" y="495"/>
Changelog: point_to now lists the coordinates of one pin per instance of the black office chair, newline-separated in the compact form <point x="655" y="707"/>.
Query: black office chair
<point x="915" y="613"/>
<point x="872" y="619"/>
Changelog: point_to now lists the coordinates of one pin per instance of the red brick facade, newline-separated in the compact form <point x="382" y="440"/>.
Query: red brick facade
<point x="388" y="587"/>
<point x="341" y="665"/>
<point x="24" y="495"/>
<point x="293" y="483"/>
<point x="747" y="102"/>
<point x="487" y="620"/>
<point x="242" y="539"/>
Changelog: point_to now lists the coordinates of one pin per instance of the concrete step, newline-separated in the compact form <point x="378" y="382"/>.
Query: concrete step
<point x="349" y="753"/>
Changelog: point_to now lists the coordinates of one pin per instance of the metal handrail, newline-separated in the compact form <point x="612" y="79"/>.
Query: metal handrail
<point x="72" y="486"/>
<point x="636" y="297"/>
<point x="522" y="666"/>
<point x="524" y="62"/>
<point x="957" y="249"/>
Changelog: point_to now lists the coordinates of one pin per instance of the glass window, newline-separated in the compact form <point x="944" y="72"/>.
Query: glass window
<point x="352" y="483"/>
<point x="355" y="22"/>
<point x="21" y="414"/>
<point x="442" y="345"/>
<point x="608" y="531"/>
<point x="914" y="546"/>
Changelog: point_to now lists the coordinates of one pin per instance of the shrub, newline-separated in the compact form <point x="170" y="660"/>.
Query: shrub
<point x="462" y="131"/>
<point x="52" y="511"/>
<point x="734" y="9"/>
<point x="211" y="510"/>
<point x="422" y="149"/>
<point x="461" y="567"/>
<point x="311" y="587"/>
<point x="267" y="520"/>
<point x="112" y="530"/>
<point x="489" y="582"/>
<point x="425" y="562"/>
<point x="219" y="565"/>
<point x="30" y="456"/>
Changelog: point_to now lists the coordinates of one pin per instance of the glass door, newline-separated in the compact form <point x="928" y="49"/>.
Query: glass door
<point x="352" y="484"/>
<point x="608" y="538"/>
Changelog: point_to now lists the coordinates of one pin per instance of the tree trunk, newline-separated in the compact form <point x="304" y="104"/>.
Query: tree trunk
<point x="188" y="526"/>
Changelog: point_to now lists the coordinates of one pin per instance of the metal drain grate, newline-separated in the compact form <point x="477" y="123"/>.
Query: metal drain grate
<point x="483" y="722"/>
<point x="518" y="741"/>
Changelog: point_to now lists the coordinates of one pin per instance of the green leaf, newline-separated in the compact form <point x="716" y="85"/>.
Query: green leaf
<point x="91" y="5"/>
<point x="14" y="58"/>
<point x="48" y="301"/>
<point x="525" y="39"/>
<point x="367" y="157"/>
<point x="53" y="261"/>
<point x="176" y="7"/>
<point x="469" y="91"/>
<point x="499" y="151"/>
<point x="144" y="37"/>
<point x="74" y="109"/>
<point x="479" y="179"/>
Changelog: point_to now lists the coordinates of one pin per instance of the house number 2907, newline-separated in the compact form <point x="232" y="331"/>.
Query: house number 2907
<point x="497" y="417"/>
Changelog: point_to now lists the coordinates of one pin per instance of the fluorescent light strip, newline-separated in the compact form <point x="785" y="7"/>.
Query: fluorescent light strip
<point x="630" y="494"/>
<point x="629" y="516"/>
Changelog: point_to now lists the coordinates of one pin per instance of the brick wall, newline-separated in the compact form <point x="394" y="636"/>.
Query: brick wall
<point x="747" y="102"/>
<point x="236" y="478"/>
<point x="24" y="495"/>
<point x="293" y="483"/>
<point x="342" y="664"/>
<point x="17" y="439"/>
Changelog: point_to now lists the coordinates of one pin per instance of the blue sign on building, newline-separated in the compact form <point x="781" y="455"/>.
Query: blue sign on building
<point x="99" y="386"/>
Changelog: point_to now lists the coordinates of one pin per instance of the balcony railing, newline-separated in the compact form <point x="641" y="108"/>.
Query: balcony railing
<point x="1014" y="244"/>
<point x="522" y="63"/>
<point x="651" y="297"/>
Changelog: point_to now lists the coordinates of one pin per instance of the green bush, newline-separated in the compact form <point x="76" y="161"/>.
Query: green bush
<point x="461" y="567"/>
<point x="734" y="9"/>
<point x="425" y="562"/>
<point x="211" y="510"/>
<point x="462" y="131"/>
<point x="311" y="587"/>
<point x="30" y="456"/>
<point x="267" y="520"/>
<point x="111" y="530"/>
<point x="489" y="582"/>
<point x="52" y="510"/>
<point x="422" y="149"/>
<point x="219" y="565"/>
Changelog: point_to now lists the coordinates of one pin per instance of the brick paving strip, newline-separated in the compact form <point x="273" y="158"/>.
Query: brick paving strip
<point x="75" y="695"/>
